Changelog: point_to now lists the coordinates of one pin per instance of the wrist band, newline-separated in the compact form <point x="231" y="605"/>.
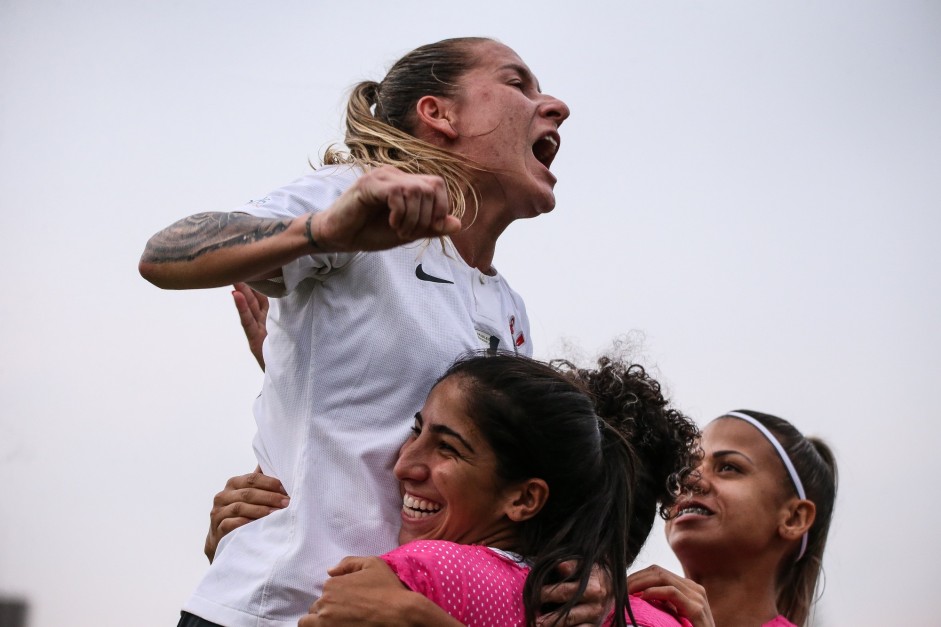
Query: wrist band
<point x="795" y="479"/>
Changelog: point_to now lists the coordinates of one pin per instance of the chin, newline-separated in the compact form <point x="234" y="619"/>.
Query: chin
<point x="547" y="199"/>
<point x="530" y="197"/>
<point x="539" y="203"/>
<point x="544" y="207"/>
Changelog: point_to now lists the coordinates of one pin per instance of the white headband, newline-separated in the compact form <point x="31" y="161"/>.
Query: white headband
<point x="784" y="458"/>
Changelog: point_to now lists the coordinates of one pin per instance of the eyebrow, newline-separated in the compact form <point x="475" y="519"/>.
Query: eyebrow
<point x="523" y="72"/>
<point x="444" y="430"/>
<point x="718" y="454"/>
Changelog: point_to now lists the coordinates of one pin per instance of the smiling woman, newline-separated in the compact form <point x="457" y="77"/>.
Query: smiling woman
<point x="514" y="467"/>
<point x="760" y="503"/>
<point x="448" y="476"/>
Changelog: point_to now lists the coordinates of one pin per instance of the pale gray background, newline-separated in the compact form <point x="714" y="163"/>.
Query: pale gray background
<point x="753" y="186"/>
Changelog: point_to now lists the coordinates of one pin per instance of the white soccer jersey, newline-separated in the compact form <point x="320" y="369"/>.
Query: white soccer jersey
<point x="354" y="345"/>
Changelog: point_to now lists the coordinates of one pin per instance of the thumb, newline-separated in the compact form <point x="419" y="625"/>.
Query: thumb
<point x="348" y="565"/>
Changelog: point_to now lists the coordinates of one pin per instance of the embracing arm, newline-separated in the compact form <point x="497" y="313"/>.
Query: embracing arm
<point x="252" y="308"/>
<point x="243" y="499"/>
<point x="593" y="607"/>
<point x="383" y="208"/>
<point x="360" y="591"/>
<point x="365" y="591"/>
<point x="685" y="596"/>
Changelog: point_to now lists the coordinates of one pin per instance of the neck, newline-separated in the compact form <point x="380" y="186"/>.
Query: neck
<point x="739" y="597"/>
<point x="502" y="537"/>
<point x="476" y="243"/>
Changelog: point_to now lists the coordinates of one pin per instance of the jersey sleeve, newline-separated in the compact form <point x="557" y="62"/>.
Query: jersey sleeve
<point x="650" y="614"/>
<point x="312" y="193"/>
<point x="415" y="569"/>
<point x="470" y="583"/>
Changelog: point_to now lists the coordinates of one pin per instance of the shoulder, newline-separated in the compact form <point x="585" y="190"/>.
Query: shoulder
<point x="440" y="557"/>
<point x="314" y="191"/>
<point x="436" y="550"/>
<point x="343" y="173"/>
<point x="471" y="583"/>
<point x="335" y="177"/>
<point x="651" y="615"/>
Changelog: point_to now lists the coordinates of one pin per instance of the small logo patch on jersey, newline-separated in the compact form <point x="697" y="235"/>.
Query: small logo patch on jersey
<point x="518" y="337"/>
<point x="424" y="276"/>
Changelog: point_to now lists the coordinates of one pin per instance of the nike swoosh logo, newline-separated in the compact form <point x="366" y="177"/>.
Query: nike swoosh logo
<point x="424" y="276"/>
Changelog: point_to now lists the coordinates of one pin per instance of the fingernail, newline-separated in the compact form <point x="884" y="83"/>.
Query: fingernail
<point x="285" y="502"/>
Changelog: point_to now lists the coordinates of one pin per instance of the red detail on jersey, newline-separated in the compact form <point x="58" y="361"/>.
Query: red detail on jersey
<point x="518" y="338"/>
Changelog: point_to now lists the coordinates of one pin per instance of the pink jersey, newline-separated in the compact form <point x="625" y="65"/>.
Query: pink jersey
<point x="779" y="621"/>
<point x="480" y="586"/>
<point x="651" y="615"/>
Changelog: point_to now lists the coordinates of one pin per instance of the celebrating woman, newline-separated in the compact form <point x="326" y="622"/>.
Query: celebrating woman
<point x="451" y="147"/>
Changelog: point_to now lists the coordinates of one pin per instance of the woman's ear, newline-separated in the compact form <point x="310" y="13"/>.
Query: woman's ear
<point x="434" y="116"/>
<point x="526" y="499"/>
<point x="798" y="517"/>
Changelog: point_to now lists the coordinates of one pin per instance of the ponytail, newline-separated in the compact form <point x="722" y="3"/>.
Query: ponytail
<point x="380" y="119"/>
<point x="588" y="434"/>
<point x="799" y="586"/>
<point x="595" y="534"/>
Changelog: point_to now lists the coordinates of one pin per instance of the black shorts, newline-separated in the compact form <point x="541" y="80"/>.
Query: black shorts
<point x="191" y="620"/>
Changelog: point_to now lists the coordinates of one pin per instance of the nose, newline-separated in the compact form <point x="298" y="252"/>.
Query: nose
<point x="555" y="109"/>
<point x="700" y="481"/>
<point x="410" y="466"/>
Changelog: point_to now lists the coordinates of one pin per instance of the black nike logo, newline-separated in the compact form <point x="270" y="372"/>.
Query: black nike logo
<point x="424" y="276"/>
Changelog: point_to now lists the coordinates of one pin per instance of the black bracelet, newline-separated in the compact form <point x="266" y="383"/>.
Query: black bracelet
<point x="310" y="236"/>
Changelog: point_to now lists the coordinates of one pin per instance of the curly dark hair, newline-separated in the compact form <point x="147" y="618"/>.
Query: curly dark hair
<point x="608" y="446"/>
<point x="665" y="441"/>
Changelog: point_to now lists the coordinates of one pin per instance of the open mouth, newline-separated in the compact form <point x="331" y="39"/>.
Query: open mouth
<point x="415" y="507"/>
<point x="546" y="148"/>
<point x="691" y="508"/>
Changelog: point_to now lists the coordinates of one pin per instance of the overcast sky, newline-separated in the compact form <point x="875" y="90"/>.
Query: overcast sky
<point x="751" y="189"/>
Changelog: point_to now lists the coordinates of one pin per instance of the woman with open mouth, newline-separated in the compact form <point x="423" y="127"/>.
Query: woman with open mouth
<point x="382" y="261"/>
<point x="514" y="468"/>
<point x="751" y="527"/>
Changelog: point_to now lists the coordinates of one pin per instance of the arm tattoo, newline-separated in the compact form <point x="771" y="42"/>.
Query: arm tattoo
<point x="203" y="233"/>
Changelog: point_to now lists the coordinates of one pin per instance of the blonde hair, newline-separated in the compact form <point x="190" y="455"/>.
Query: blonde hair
<point x="380" y="119"/>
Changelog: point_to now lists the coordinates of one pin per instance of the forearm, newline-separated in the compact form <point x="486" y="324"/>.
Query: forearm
<point x="364" y="591"/>
<point x="422" y="612"/>
<point x="215" y="249"/>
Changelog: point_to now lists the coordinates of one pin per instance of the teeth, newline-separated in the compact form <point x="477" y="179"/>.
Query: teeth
<point x="545" y="149"/>
<point x="702" y="511"/>
<point x="419" y="508"/>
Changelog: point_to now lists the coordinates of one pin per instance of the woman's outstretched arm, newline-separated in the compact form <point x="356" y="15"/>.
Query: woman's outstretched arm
<point x="383" y="208"/>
